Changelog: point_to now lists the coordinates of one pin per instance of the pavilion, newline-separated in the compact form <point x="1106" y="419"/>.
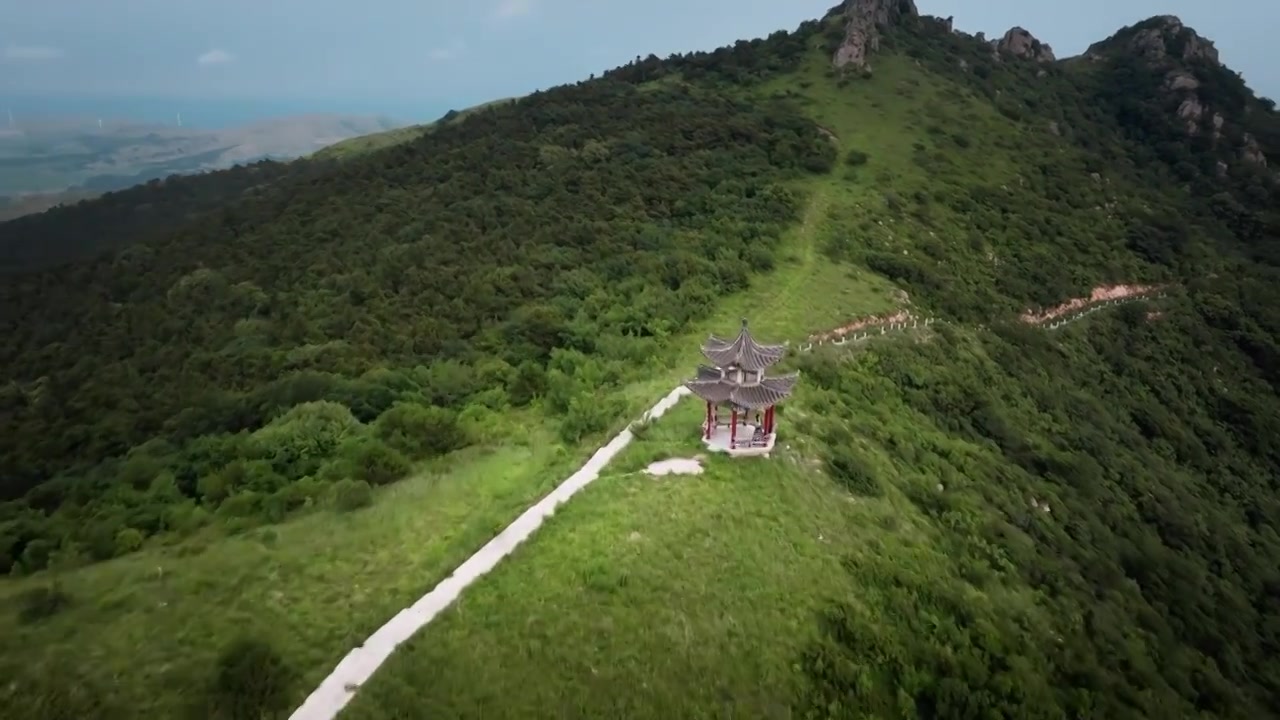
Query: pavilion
<point x="736" y="379"/>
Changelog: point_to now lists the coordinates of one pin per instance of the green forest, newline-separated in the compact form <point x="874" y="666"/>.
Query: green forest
<point x="239" y="364"/>
<point x="1068" y="524"/>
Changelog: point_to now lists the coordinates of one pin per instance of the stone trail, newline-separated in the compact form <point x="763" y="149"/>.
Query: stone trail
<point x="336" y="690"/>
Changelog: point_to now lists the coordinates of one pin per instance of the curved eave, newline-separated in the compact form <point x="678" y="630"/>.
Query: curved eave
<point x="769" y="392"/>
<point x="707" y="373"/>
<point x="743" y="352"/>
<point x="714" y="391"/>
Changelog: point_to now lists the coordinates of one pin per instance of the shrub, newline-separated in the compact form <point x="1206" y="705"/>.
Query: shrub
<point x="349" y="495"/>
<point x="36" y="555"/>
<point x="299" y="441"/>
<point x="854" y="473"/>
<point x="856" y="157"/>
<point x="128" y="540"/>
<point x="640" y="428"/>
<point x="251" y="681"/>
<point x="42" y="602"/>
<point x="241" y="505"/>
<point x="420" y="431"/>
<point x="373" y="461"/>
<point x="587" y="415"/>
<point x="288" y="500"/>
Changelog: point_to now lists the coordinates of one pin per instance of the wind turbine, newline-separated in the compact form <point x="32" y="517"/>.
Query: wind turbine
<point x="179" y="119"/>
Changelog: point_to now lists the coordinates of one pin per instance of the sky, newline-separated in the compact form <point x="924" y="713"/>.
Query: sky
<point x="425" y="56"/>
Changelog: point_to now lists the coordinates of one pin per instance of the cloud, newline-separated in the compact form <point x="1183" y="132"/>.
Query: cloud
<point x="32" y="52"/>
<point x="215" y="57"/>
<point x="508" y="9"/>
<point x="448" y="52"/>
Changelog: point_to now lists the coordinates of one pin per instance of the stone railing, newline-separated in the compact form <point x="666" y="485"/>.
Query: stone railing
<point x="1092" y="308"/>
<point x="860" y="330"/>
<point x="864" y="332"/>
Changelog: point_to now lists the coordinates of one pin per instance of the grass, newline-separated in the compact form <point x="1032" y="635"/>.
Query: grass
<point x="373" y="142"/>
<point x="153" y="622"/>
<point x="364" y="144"/>
<point x="644" y="597"/>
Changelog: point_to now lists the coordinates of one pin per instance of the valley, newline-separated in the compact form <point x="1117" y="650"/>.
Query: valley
<point x="263" y="422"/>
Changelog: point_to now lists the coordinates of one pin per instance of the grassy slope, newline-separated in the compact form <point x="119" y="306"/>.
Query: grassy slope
<point x="694" y="597"/>
<point x="389" y="138"/>
<point x="151" y="623"/>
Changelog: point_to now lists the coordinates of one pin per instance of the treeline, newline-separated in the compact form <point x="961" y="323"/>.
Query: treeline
<point x="744" y="62"/>
<point x="349" y="323"/>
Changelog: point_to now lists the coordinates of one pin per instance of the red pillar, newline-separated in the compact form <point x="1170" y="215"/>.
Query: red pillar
<point x="768" y="420"/>
<point x="706" y="429"/>
<point x="733" y="428"/>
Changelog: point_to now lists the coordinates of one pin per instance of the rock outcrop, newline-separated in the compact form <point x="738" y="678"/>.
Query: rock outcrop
<point x="1020" y="43"/>
<point x="1190" y="111"/>
<point x="1251" y="152"/>
<point x="1181" y="80"/>
<point x="864" y="20"/>
<point x="1159" y="39"/>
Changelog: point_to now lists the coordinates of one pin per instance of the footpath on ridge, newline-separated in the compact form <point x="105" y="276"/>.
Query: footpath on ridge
<point x="336" y="690"/>
<point x="342" y="683"/>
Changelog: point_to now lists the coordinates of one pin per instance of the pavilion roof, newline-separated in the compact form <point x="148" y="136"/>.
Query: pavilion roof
<point x="743" y="351"/>
<point x="770" y="391"/>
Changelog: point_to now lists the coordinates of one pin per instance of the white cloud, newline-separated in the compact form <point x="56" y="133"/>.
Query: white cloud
<point x="215" y="57"/>
<point x="508" y="9"/>
<point x="448" y="52"/>
<point x="32" y="52"/>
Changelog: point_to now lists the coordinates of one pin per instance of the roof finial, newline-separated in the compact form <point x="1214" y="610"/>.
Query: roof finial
<point x="744" y="323"/>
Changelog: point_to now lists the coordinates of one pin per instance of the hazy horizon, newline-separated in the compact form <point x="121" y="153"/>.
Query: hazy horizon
<point x="210" y="113"/>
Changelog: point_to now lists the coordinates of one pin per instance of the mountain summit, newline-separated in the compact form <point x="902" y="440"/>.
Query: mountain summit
<point x="864" y="20"/>
<point x="1158" y="39"/>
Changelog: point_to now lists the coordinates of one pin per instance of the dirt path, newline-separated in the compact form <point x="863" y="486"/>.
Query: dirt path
<point x="814" y="213"/>
<point x="336" y="690"/>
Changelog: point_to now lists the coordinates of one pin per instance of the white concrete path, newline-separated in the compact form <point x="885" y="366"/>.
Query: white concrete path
<point x="359" y="665"/>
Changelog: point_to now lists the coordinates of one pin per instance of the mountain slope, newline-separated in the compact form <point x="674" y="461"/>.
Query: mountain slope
<point x="1026" y="517"/>
<point x="977" y="519"/>
<point x="86" y="230"/>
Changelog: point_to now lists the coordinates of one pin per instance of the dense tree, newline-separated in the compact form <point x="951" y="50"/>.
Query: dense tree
<point x="333" y="322"/>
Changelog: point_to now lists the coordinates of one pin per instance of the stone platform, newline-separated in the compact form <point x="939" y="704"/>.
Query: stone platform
<point x="719" y="441"/>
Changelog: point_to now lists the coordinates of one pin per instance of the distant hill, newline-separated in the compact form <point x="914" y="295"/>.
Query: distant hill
<point x="43" y="166"/>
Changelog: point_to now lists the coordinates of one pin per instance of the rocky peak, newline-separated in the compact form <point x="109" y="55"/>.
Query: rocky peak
<point x="864" y="19"/>
<point x="1159" y="39"/>
<point x="1020" y="43"/>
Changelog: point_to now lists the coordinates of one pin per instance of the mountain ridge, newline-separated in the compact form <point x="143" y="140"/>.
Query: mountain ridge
<point x="359" y="370"/>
